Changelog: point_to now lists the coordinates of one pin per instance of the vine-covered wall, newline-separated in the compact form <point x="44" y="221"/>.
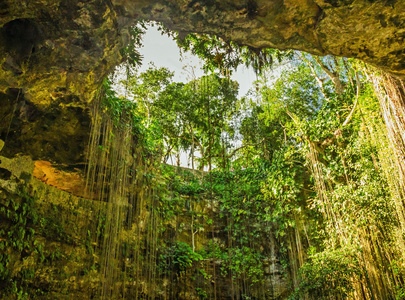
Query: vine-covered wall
<point x="53" y="243"/>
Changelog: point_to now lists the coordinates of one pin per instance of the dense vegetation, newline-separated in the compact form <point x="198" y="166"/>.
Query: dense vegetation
<point x="304" y="161"/>
<point x="292" y="192"/>
<point x="300" y="169"/>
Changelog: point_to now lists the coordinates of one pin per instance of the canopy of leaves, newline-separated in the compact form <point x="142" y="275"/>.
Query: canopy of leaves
<point x="306" y="180"/>
<point x="220" y="54"/>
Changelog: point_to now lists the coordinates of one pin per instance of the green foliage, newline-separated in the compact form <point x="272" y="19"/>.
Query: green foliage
<point x="294" y="90"/>
<point x="123" y="112"/>
<point x="129" y="52"/>
<point x="191" y="116"/>
<point x="30" y="239"/>
<point x="282" y="192"/>
<point x="307" y="118"/>
<point x="179" y="257"/>
<point x="246" y="262"/>
<point x="201" y="293"/>
<point x="298" y="121"/>
<point x="126" y="113"/>
<point x="329" y="274"/>
<point x="52" y="228"/>
<point x="219" y="54"/>
<point x="277" y="102"/>
<point x="18" y="238"/>
<point x="252" y="215"/>
<point x="23" y="217"/>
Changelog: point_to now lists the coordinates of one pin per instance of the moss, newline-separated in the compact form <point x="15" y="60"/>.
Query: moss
<point x="43" y="248"/>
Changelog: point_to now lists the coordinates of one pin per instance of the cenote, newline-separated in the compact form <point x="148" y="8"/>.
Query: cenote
<point x="121" y="179"/>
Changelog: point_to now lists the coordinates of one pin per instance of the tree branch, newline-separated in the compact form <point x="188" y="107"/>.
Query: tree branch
<point x="355" y="102"/>
<point x="317" y="78"/>
<point x="244" y="146"/>
<point x="333" y="75"/>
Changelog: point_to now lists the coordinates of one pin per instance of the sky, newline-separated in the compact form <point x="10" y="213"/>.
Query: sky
<point x="163" y="52"/>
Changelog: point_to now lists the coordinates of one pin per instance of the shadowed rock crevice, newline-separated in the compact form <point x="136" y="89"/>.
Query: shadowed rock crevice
<point x="58" y="132"/>
<point x="20" y="39"/>
<point x="5" y="174"/>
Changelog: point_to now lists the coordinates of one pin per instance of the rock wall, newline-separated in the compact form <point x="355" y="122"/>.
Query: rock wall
<point x="54" y="53"/>
<point x="54" y="48"/>
<point x="58" y="132"/>
<point x="51" y="48"/>
<point x="52" y="244"/>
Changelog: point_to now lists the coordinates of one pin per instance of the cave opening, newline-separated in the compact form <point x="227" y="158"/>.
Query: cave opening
<point x="247" y="222"/>
<point x="307" y="205"/>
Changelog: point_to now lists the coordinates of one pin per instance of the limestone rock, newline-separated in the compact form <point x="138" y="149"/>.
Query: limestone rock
<point x="58" y="132"/>
<point x="50" y="47"/>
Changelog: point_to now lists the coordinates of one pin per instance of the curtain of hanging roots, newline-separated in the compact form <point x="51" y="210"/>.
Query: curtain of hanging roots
<point x="335" y="222"/>
<point x="388" y="138"/>
<point x="334" y="219"/>
<point x="390" y="93"/>
<point x="115" y="179"/>
<point x="378" y="280"/>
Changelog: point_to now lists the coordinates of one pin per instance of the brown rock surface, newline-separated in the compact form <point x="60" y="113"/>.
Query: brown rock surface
<point x="58" y="132"/>
<point x="71" y="182"/>
<point x="54" y="53"/>
<point x="53" y="47"/>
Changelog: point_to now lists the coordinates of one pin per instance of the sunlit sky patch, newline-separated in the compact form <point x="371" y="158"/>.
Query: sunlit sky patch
<point x="164" y="52"/>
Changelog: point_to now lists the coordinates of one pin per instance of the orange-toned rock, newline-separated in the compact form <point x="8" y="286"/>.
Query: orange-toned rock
<point x="70" y="182"/>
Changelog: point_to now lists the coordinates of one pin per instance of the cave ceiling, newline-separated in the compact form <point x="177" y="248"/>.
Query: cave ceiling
<point x="53" y="47"/>
<point x="61" y="49"/>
